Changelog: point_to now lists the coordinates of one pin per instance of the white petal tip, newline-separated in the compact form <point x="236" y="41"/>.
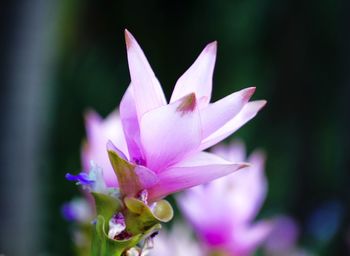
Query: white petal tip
<point x="91" y="116"/>
<point x="244" y="165"/>
<point x="128" y="38"/>
<point x="262" y="103"/>
<point x="211" y="47"/>
<point x="248" y="93"/>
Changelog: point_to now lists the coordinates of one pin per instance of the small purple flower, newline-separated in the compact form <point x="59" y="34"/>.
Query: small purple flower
<point x="81" y="179"/>
<point x="91" y="181"/>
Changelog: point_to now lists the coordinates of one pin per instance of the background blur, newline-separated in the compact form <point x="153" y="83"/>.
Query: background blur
<point x="59" y="58"/>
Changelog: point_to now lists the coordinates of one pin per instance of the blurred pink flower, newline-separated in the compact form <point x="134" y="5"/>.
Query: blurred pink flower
<point x="223" y="211"/>
<point x="176" y="242"/>
<point x="166" y="140"/>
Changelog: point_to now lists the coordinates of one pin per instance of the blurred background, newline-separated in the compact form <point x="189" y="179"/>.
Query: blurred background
<point x="60" y="58"/>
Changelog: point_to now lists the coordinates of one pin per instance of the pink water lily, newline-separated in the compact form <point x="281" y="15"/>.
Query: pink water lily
<point x="222" y="212"/>
<point x="165" y="140"/>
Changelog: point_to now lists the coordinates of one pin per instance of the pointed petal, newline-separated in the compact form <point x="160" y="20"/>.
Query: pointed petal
<point x="146" y="88"/>
<point x="215" y="115"/>
<point x="198" y="169"/>
<point x="248" y="112"/>
<point x="198" y="78"/>
<point x="131" y="127"/>
<point x="250" y="187"/>
<point x="257" y="182"/>
<point x="131" y="178"/>
<point x="98" y="133"/>
<point x="169" y="133"/>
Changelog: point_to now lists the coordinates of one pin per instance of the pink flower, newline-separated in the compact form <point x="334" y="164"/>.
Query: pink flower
<point x="99" y="131"/>
<point x="222" y="212"/>
<point x="165" y="140"/>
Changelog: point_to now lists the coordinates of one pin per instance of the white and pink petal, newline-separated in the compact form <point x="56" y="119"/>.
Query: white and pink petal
<point x="146" y="89"/>
<point x="198" y="78"/>
<point x="217" y="114"/>
<point x="131" y="127"/>
<point x="247" y="113"/>
<point x="170" y="133"/>
<point x="198" y="169"/>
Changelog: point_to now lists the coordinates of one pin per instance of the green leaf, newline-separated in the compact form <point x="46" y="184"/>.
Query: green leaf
<point x="106" y="206"/>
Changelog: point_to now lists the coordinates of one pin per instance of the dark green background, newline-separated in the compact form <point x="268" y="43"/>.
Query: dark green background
<point x="295" y="52"/>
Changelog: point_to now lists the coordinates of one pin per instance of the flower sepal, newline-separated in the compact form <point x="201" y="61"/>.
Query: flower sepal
<point x="140" y="217"/>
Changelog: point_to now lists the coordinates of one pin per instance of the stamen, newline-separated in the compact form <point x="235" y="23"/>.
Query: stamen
<point x="143" y="196"/>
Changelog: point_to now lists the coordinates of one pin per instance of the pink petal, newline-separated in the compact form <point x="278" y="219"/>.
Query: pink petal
<point x="250" y="185"/>
<point x="207" y="208"/>
<point x="248" y="112"/>
<point x="216" y="114"/>
<point x="257" y="182"/>
<point x="99" y="131"/>
<point x="170" y="132"/>
<point x="199" y="169"/>
<point x="198" y="78"/>
<point x="131" y="127"/>
<point x="146" y="88"/>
